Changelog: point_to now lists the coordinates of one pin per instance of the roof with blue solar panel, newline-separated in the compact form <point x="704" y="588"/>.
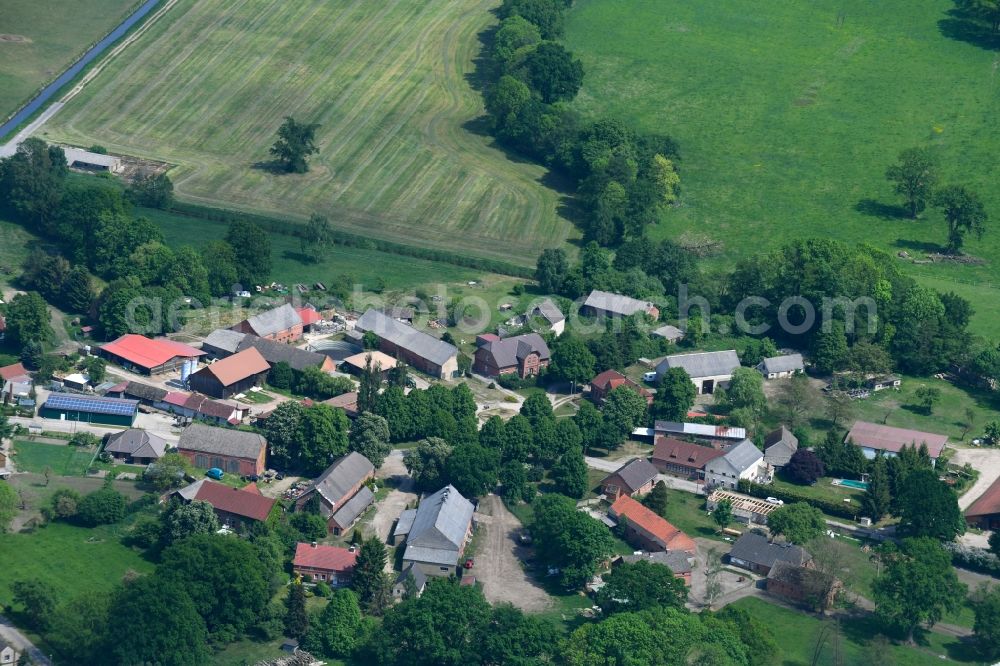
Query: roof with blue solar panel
<point x="94" y="405"/>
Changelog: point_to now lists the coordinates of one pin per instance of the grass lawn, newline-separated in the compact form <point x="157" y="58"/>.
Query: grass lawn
<point x="256" y="397"/>
<point x="41" y="39"/>
<point x="797" y="633"/>
<point x="687" y="512"/>
<point x="62" y="459"/>
<point x="787" y="115"/>
<point x="388" y="84"/>
<point x="823" y="490"/>
<point x="76" y="560"/>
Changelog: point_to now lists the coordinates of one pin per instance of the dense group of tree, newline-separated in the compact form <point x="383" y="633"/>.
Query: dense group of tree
<point x="624" y="179"/>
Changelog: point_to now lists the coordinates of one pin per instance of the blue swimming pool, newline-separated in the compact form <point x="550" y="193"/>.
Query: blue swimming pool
<point x="851" y="483"/>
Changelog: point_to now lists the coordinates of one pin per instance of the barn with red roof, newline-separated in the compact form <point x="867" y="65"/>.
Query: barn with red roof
<point x="148" y="356"/>
<point x="330" y="564"/>
<point x="985" y="511"/>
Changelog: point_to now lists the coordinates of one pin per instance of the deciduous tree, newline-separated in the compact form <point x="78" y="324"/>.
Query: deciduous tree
<point x="805" y="467"/>
<point x="987" y="623"/>
<point x="963" y="212"/>
<point x="296" y="142"/>
<point x="570" y="474"/>
<point x="798" y="522"/>
<point x="181" y="521"/>
<point x="370" y="437"/>
<point x="568" y="539"/>
<point x="639" y="586"/>
<point x="37" y="598"/>
<point x="252" y="250"/>
<point x="914" y="176"/>
<point x="426" y="462"/>
<point x="675" y="395"/>
<point x="657" y="498"/>
<point x="338" y="629"/>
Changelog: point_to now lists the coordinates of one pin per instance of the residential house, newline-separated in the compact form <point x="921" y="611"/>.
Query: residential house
<point x="781" y="367"/>
<point x="202" y="408"/>
<point x="135" y="446"/>
<point x="984" y="513"/>
<point x="802" y="585"/>
<point x="874" y="437"/>
<point x="233" y="451"/>
<point x="708" y="370"/>
<point x="422" y="351"/>
<point x="754" y="552"/>
<point x="606" y="304"/>
<point x="345" y="401"/>
<point x="636" y="477"/>
<point x="16" y="372"/>
<point x="716" y="435"/>
<point x="356" y="363"/>
<point x="341" y="490"/>
<point x="236" y="508"/>
<point x="231" y="375"/>
<point x="418" y="581"/>
<point x="89" y="409"/>
<point x="329" y="564"/>
<point x="522" y="355"/>
<point x="148" y="356"/>
<point x="779" y="447"/>
<point x="280" y="324"/>
<point x="668" y="333"/>
<point x="8" y="655"/>
<point x="549" y="312"/>
<point x="15" y="390"/>
<point x="740" y="461"/>
<point x="647" y="530"/>
<point x="442" y="525"/>
<point x="678" y="561"/>
<point x="746" y="509"/>
<point x="609" y="380"/>
<point x="686" y="460"/>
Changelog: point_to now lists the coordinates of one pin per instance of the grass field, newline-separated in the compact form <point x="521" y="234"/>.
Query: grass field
<point x="40" y="38"/>
<point x="207" y="87"/>
<point x="788" y="114"/>
<point x="62" y="459"/>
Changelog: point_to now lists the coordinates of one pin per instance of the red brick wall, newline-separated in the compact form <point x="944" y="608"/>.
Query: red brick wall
<point x="246" y="465"/>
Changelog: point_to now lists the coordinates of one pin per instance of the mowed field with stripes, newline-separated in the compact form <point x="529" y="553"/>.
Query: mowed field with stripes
<point x="389" y="83"/>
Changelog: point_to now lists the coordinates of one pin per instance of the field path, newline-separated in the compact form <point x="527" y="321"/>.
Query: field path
<point x="498" y="562"/>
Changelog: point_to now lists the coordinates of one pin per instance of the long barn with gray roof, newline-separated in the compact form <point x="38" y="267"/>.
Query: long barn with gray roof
<point x="441" y="527"/>
<point x="421" y="350"/>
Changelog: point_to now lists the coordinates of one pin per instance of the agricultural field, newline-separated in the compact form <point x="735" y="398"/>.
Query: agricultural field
<point x="787" y="115"/>
<point x="40" y="38"/>
<point x="389" y="83"/>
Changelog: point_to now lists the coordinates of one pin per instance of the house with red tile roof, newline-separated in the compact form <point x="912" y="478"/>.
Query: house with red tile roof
<point x="231" y="375"/>
<point x="235" y="507"/>
<point x="609" y="380"/>
<point x="686" y="460"/>
<point x="201" y="407"/>
<point x="14" y="372"/>
<point x="647" y="530"/>
<point x="329" y="564"/>
<point x="148" y="356"/>
<point x="985" y="511"/>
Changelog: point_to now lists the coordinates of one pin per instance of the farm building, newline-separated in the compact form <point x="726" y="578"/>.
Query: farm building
<point x="883" y="383"/>
<point x="679" y="562"/>
<point x="222" y="342"/>
<point x="135" y="446"/>
<point x="235" y="507"/>
<point x="86" y="160"/>
<point x="422" y="351"/>
<point x="233" y="451"/>
<point x="740" y="461"/>
<point x="636" y="477"/>
<point x="148" y="356"/>
<point x="668" y="333"/>
<point x="144" y="393"/>
<point x="276" y="352"/>
<point x="874" y="437"/>
<point x="686" y="460"/>
<point x="984" y="513"/>
<point x="356" y="363"/>
<point x="309" y="317"/>
<point x="329" y="564"/>
<point x="280" y="324"/>
<point x="779" y="447"/>
<point x="202" y="408"/>
<point x="345" y="401"/>
<point x="606" y="304"/>
<point x="522" y="355"/>
<point x="746" y="509"/>
<point x="754" y="552"/>
<point x="15" y="372"/>
<point x="343" y="495"/>
<point x="609" y="380"/>
<point x="717" y="435"/>
<point x="549" y="312"/>
<point x="231" y="375"/>
<point x="440" y="529"/>
<point x="708" y="370"/>
<point x="89" y="409"/>
<point x="781" y="367"/>
<point x="647" y="530"/>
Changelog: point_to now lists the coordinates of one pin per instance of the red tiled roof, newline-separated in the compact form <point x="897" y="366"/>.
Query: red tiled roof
<point x="308" y="316"/>
<point x="671" y="450"/>
<point x="201" y="404"/>
<point x="887" y="438"/>
<point x="11" y="371"/>
<point x="239" y="366"/>
<point x="148" y="353"/>
<point x="612" y="379"/>
<point x="988" y="503"/>
<point x="330" y="558"/>
<point x="669" y="536"/>
<point x="244" y="503"/>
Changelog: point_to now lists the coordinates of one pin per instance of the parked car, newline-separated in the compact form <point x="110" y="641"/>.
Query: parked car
<point x="774" y="500"/>
<point x="215" y="473"/>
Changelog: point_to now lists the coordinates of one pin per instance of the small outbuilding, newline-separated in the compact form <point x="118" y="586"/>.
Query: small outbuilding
<point x="136" y="446"/>
<point x="781" y="367"/>
<point x="779" y="447"/>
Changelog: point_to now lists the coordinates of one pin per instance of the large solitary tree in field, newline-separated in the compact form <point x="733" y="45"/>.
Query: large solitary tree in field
<point x="296" y="142"/>
<point x="964" y="212"/>
<point x="914" y="176"/>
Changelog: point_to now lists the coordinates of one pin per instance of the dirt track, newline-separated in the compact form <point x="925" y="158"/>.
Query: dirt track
<point x="388" y="510"/>
<point x="498" y="562"/>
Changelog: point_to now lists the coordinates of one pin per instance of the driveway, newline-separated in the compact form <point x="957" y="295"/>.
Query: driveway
<point x="987" y="461"/>
<point x="732" y="588"/>
<point x="499" y="560"/>
<point x="388" y="509"/>
<point x="20" y="642"/>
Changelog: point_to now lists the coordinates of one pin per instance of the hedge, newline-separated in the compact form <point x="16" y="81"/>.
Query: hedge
<point x="348" y="239"/>
<point x="851" y="512"/>
<point x="977" y="559"/>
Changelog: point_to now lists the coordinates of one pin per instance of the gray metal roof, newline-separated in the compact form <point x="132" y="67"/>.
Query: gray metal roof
<point x="354" y="506"/>
<point x="446" y="557"/>
<point x="419" y="577"/>
<point x="509" y="351"/>
<point x="138" y="443"/>
<point x="615" y="303"/>
<point x="755" y="548"/>
<point x="787" y="363"/>
<point x="669" y="332"/>
<point x="274" y="321"/>
<point x="677" y="560"/>
<point x="636" y="473"/>
<point x="740" y="457"/>
<point x="224" y="339"/>
<point x="405" y="522"/>
<point x="342" y="476"/>
<point x="440" y="523"/>
<point x="190" y="491"/>
<point x="74" y="155"/>
<point x="702" y="364"/>
<point x="222" y="441"/>
<point x="278" y="352"/>
<point x="549" y="310"/>
<point x="406" y="337"/>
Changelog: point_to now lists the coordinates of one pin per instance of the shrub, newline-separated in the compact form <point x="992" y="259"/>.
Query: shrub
<point x="978" y="559"/>
<point x="102" y="507"/>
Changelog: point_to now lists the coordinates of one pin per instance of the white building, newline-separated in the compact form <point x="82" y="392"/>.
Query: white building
<point x="741" y="461"/>
<point x="780" y="367"/>
<point x="708" y="370"/>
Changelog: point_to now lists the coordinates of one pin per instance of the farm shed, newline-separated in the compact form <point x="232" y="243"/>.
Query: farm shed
<point x="231" y="375"/>
<point x="89" y="409"/>
<point x="148" y="356"/>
